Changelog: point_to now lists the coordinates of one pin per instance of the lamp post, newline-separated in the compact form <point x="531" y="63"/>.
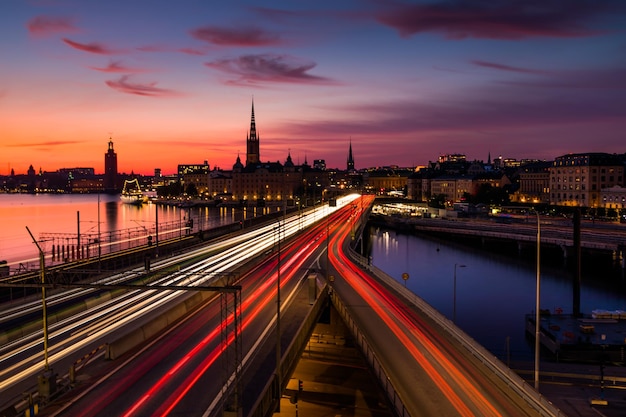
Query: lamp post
<point x="42" y="273"/>
<point x="278" y="351"/>
<point x="454" y="293"/>
<point x="537" y="301"/>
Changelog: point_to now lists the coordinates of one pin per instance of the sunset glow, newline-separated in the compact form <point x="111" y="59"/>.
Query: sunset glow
<point x="172" y="82"/>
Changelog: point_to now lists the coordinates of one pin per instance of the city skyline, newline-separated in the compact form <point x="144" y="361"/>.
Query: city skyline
<point x="403" y="82"/>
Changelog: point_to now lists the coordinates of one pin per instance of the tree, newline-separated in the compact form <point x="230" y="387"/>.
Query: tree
<point x="192" y="190"/>
<point x="172" y="189"/>
<point x="487" y="194"/>
<point x="437" y="201"/>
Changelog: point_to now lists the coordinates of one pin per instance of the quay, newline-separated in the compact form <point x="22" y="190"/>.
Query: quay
<point x="604" y="242"/>
<point x="596" y="338"/>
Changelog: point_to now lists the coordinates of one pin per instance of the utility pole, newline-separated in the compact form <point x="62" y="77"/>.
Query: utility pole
<point x="47" y="380"/>
<point x="278" y="351"/>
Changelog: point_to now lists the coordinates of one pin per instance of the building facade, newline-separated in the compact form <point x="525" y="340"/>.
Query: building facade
<point x="578" y="179"/>
<point x="111" y="184"/>
<point x="534" y="183"/>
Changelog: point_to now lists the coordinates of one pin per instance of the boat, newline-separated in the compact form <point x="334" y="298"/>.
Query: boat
<point x="132" y="194"/>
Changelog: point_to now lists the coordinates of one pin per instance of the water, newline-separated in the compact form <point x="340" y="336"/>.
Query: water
<point x="56" y="219"/>
<point x="493" y="292"/>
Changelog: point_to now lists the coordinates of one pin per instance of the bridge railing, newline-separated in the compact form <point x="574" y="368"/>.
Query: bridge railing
<point x="371" y="358"/>
<point x="508" y="376"/>
<point x="266" y="403"/>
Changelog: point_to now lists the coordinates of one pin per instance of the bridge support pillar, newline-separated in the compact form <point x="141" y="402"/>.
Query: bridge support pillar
<point x="519" y="248"/>
<point x="564" y="250"/>
<point x="619" y="256"/>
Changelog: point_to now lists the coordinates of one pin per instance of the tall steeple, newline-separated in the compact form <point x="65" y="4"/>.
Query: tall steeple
<point x="350" y="158"/>
<point x="110" y="169"/>
<point x="252" y="142"/>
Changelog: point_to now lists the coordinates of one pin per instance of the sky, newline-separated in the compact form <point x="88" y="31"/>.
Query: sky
<point x="172" y="82"/>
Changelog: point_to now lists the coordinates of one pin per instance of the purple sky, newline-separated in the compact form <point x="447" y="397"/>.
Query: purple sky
<point x="172" y="82"/>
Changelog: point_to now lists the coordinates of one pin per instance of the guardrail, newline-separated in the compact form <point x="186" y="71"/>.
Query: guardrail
<point x="371" y="358"/>
<point x="266" y="403"/>
<point x="507" y="375"/>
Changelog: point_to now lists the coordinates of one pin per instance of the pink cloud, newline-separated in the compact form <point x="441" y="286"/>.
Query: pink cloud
<point x="46" y="144"/>
<point x="192" y="51"/>
<point x="516" y="19"/>
<point x="504" y="67"/>
<point x="117" y="67"/>
<point x="507" y="107"/>
<point x="123" y="85"/>
<point x="244" y="36"/>
<point x="162" y="48"/>
<point x="42" y="26"/>
<point x="272" y="68"/>
<point x="94" y="48"/>
<point x="608" y="80"/>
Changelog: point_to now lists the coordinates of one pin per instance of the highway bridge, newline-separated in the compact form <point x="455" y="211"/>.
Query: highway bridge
<point x="218" y="330"/>
<point x="595" y="237"/>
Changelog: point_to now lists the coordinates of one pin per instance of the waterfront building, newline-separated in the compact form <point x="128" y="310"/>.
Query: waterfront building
<point x="86" y="185"/>
<point x="111" y="183"/>
<point x="418" y="185"/>
<point x="385" y="180"/>
<point x="446" y="185"/>
<point x="578" y="179"/>
<point x="614" y="198"/>
<point x="259" y="182"/>
<point x="534" y="183"/>
<point x="196" y="174"/>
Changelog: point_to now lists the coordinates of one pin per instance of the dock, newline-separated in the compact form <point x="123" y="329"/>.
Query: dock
<point x="599" y="337"/>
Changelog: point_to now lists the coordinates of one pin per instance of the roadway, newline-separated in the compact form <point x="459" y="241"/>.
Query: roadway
<point x="186" y="371"/>
<point x="429" y="370"/>
<point x="190" y="370"/>
<point x="104" y="319"/>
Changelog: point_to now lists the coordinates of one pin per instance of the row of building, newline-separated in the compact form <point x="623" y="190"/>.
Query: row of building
<point x="578" y="180"/>
<point x="583" y="180"/>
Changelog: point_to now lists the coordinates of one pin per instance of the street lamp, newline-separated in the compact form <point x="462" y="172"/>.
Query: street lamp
<point x="454" y="293"/>
<point x="42" y="274"/>
<point x="537" y="300"/>
<point x="278" y="350"/>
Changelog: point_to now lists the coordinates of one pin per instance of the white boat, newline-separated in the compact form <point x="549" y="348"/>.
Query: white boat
<point x="132" y="194"/>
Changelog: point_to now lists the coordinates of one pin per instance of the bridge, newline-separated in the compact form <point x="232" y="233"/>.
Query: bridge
<point x="218" y="331"/>
<point x="555" y="233"/>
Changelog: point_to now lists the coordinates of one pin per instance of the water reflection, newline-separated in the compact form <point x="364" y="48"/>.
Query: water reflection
<point x="494" y="291"/>
<point x="104" y="218"/>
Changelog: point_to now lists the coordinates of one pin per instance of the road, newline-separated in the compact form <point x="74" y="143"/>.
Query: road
<point x="431" y="372"/>
<point x="191" y="370"/>
<point x="108" y="319"/>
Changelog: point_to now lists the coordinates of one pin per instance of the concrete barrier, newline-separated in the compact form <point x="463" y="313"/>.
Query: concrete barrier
<point x="155" y="326"/>
<point x="36" y="325"/>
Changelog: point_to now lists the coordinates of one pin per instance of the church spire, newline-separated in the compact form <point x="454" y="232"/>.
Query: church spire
<point x="350" y="157"/>
<point x="252" y="124"/>
<point x="252" y="142"/>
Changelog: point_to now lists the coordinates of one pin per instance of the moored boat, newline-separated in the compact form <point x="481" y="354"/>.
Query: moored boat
<point x="132" y="194"/>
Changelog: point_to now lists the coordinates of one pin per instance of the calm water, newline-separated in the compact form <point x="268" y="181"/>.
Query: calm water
<point x="493" y="292"/>
<point x="56" y="219"/>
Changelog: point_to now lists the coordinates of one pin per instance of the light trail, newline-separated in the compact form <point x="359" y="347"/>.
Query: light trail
<point x="251" y="306"/>
<point x="237" y="250"/>
<point x="446" y="369"/>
